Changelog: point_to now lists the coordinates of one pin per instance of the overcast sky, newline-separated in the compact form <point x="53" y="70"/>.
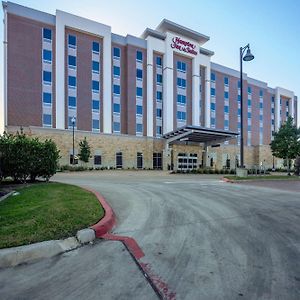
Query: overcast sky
<point x="271" y="27"/>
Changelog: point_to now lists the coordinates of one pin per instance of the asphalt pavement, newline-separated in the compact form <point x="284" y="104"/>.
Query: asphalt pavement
<point x="202" y="238"/>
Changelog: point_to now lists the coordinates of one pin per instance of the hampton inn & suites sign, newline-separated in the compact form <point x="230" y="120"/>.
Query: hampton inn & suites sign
<point x="184" y="46"/>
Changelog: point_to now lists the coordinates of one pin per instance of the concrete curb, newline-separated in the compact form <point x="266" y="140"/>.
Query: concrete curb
<point x="6" y="196"/>
<point x="108" y="221"/>
<point x="14" y="256"/>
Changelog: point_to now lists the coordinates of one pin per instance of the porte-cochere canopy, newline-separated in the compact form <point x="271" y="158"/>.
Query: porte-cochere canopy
<point x="198" y="134"/>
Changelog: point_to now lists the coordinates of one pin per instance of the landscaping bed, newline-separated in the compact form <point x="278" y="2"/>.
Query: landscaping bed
<point x="46" y="211"/>
<point x="263" y="177"/>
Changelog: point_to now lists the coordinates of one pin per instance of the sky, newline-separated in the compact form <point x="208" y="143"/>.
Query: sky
<point x="272" y="27"/>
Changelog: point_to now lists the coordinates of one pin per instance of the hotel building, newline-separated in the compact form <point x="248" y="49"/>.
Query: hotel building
<point x="154" y="101"/>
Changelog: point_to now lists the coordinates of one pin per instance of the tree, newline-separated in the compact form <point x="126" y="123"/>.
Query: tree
<point x="286" y="143"/>
<point x="85" y="150"/>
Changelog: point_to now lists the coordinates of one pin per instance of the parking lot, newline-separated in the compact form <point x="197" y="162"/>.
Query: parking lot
<point x="202" y="238"/>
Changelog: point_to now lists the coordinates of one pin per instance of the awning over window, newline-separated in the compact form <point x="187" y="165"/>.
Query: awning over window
<point x="198" y="134"/>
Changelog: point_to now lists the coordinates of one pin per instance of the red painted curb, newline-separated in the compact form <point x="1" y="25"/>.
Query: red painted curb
<point x="108" y="221"/>
<point x="227" y="180"/>
<point x="130" y="243"/>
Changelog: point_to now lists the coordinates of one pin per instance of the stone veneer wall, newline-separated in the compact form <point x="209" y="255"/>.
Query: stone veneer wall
<point x="107" y="145"/>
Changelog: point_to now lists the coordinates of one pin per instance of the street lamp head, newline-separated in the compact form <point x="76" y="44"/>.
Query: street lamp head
<point x="249" y="56"/>
<point x="73" y="120"/>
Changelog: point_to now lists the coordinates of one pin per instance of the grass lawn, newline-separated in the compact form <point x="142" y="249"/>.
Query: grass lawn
<point x="46" y="211"/>
<point x="264" y="177"/>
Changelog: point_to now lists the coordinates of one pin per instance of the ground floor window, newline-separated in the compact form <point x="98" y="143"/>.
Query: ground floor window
<point x="75" y="159"/>
<point x="157" y="161"/>
<point x="97" y="160"/>
<point x="139" y="162"/>
<point x="119" y="160"/>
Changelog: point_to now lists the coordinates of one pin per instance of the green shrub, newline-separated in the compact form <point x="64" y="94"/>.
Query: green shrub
<point x="217" y="171"/>
<point x="232" y="171"/>
<point x="23" y="157"/>
<point x="205" y="171"/>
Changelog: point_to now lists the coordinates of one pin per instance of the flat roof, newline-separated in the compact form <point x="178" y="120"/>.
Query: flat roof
<point x="167" y="25"/>
<point x="199" y="134"/>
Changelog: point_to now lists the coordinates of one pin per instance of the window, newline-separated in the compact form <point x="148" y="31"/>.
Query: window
<point x="239" y="98"/>
<point x="95" y="85"/>
<point x="181" y="115"/>
<point x="260" y="118"/>
<point x="47" y="120"/>
<point x="181" y="99"/>
<point x="249" y="127"/>
<point x="273" y="122"/>
<point x="117" y="53"/>
<point x="117" y="89"/>
<point x="72" y="61"/>
<point x="273" y="99"/>
<point x="261" y="105"/>
<point x="119" y="160"/>
<point x="226" y="124"/>
<point x="47" y="77"/>
<point x="239" y="84"/>
<point x="95" y="67"/>
<point x="158" y="112"/>
<point x="75" y="160"/>
<point x="249" y="102"/>
<point x="158" y="78"/>
<point x="72" y="41"/>
<point x="97" y="159"/>
<point x="47" y="55"/>
<point x="249" y="115"/>
<point x="159" y="96"/>
<point x="213" y="122"/>
<point x="71" y="101"/>
<point x="139" y="74"/>
<point x="287" y="103"/>
<point x="249" y="90"/>
<point x="272" y="110"/>
<point x="226" y="80"/>
<point x="47" y="34"/>
<point x="139" y="160"/>
<point x="226" y="109"/>
<point x="139" y="92"/>
<point x="96" y="124"/>
<point x="96" y="105"/>
<point x="158" y="61"/>
<point x="96" y="47"/>
<point x="47" y="98"/>
<point x="117" y="108"/>
<point x="261" y="93"/>
<point x="158" y="130"/>
<point x="181" y="66"/>
<point x="181" y="82"/>
<point x="213" y="92"/>
<point x="139" y="55"/>
<point x="239" y="111"/>
<point x="213" y="106"/>
<point x="157" y="161"/>
<point x="212" y="76"/>
<point x="139" y="109"/>
<point x="139" y="128"/>
<point x="116" y="126"/>
<point x="72" y="81"/>
<point x="117" y="71"/>
<point x="226" y="95"/>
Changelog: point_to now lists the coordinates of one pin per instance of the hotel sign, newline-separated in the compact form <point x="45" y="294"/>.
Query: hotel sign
<point x="184" y="46"/>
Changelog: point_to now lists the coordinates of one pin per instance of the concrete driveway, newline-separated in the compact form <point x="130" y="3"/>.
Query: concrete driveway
<point x="202" y="238"/>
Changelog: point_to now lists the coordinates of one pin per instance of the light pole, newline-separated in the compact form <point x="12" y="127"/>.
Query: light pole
<point x="248" y="57"/>
<point x="73" y="120"/>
